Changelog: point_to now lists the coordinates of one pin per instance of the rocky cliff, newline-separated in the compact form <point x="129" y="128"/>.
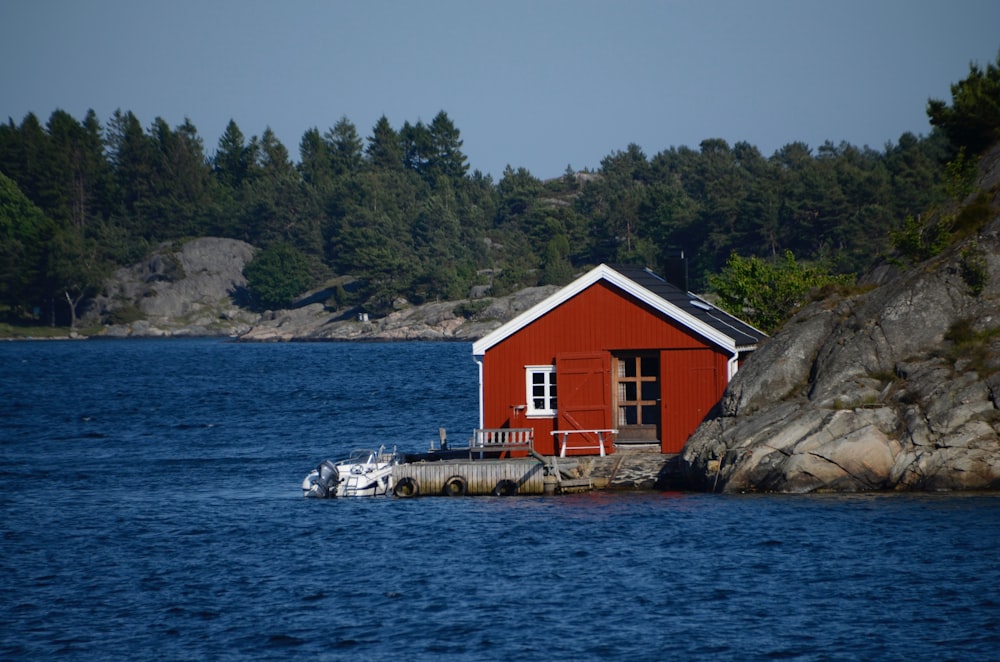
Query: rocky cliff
<point x="188" y="289"/>
<point x="893" y="388"/>
<point x="194" y="289"/>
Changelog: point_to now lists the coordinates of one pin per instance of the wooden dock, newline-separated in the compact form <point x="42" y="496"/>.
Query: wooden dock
<point x="466" y="477"/>
<point x="536" y="475"/>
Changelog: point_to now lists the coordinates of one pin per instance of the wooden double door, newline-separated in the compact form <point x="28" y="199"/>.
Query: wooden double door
<point x="602" y="391"/>
<point x="656" y="396"/>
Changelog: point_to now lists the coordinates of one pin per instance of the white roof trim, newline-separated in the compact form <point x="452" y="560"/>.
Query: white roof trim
<point x="603" y="272"/>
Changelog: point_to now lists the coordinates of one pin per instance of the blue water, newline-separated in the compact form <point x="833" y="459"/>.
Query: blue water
<point x="151" y="509"/>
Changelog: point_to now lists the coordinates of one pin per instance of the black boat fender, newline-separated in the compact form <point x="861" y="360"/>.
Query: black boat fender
<point x="455" y="486"/>
<point x="406" y="486"/>
<point x="505" y="487"/>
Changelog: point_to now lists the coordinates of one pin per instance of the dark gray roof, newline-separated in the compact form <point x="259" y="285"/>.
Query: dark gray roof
<point x="712" y="323"/>
<point x="742" y="333"/>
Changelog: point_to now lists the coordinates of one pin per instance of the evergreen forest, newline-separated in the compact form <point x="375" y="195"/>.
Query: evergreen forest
<point x="402" y="214"/>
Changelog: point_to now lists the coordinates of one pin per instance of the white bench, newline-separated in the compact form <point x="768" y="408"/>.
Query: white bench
<point x="501" y="440"/>
<point x="565" y="440"/>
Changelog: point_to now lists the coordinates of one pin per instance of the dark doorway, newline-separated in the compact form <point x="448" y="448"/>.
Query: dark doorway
<point x="636" y="389"/>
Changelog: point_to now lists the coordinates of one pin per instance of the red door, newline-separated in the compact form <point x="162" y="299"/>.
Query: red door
<point x="691" y="387"/>
<point x="584" y="399"/>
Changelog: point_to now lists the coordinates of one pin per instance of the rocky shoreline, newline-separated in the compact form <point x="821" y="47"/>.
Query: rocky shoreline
<point x="893" y="386"/>
<point x="896" y="387"/>
<point x="190" y="291"/>
<point x="433" y="321"/>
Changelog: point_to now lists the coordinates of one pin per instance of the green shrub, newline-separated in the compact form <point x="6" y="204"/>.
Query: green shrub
<point x="973" y="216"/>
<point x="277" y="275"/>
<point x="173" y="270"/>
<point x="960" y="175"/>
<point x="961" y="332"/>
<point x="767" y="293"/>
<point x="469" y="309"/>
<point x="918" y="241"/>
<point x="126" y="314"/>
<point x="973" y="268"/>
<point x="973" y="346"/>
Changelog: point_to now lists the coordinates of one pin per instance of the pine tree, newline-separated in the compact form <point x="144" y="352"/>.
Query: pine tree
<point x="973" y="118"/>
<point x="232" y="159"/>
<point x="384" y="149"/>
<point x="344" y="147"/>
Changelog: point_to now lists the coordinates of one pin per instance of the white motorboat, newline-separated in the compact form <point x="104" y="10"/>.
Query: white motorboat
<point x="365" y="473"/>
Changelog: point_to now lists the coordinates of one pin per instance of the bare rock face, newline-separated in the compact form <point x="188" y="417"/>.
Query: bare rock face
<point x="781" y="366"/>
<point x="185" y="290"/>
<point x="432" y="321"/>
<point x="892" y="389"/>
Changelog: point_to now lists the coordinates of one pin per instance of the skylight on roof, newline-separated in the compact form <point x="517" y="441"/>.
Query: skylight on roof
<point x="654" y="274"/>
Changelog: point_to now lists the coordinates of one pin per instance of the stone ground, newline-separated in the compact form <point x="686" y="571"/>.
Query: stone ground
<point x="631" y="469"/>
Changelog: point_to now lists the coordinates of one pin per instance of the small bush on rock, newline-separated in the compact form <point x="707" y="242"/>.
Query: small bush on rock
<point x="277" y="275"/>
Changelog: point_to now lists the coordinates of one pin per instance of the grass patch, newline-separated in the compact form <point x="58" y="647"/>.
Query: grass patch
<point x="924" y="237"/>
<point x="973" y="216"/>
<point x="973" y="346"/>
<point x="126" y="314"/>
<point x="469" y="309"/>
<point x="885" y="376"/>
<point x="12" y="331"/>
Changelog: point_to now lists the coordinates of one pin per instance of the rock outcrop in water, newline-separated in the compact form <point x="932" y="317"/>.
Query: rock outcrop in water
<point x="194" y="289"/>
<point x="897" y="388"/>
<point x="432" y="321"/>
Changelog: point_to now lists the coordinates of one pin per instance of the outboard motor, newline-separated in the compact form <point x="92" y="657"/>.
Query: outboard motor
<point x="328" y="474"/>
<point x="322" y="481"/>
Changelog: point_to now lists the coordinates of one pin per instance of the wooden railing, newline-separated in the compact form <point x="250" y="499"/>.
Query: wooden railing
<point x="502" y="440"/>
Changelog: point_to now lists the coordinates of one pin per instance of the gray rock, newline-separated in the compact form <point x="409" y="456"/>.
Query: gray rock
<point x="870" y="392"/>
<point x="432" y="321"/>
<point x="185" y="290"/>
<point x="781" y="367"/>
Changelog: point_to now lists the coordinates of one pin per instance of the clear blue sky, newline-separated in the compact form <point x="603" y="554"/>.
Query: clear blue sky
<point x="539" y="84"/>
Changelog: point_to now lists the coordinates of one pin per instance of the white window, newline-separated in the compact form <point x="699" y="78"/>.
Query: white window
<point x="540" y="381"/>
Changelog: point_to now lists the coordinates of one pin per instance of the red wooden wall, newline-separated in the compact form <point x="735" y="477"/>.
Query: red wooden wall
<point x="691" y="383"/>
<point x="603" y="319"/>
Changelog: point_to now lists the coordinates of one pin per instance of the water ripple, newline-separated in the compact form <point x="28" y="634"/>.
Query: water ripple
<point x="156" y="508"/>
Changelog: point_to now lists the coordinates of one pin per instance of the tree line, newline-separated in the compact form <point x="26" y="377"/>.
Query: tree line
<point x="400" y="211"/>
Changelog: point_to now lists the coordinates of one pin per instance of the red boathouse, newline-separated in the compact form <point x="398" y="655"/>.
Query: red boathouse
<point x="617" y="357"/>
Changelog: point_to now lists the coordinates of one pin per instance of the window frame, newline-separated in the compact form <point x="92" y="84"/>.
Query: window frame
<point x="551" y="396"/>
<point x="641" y="402"/>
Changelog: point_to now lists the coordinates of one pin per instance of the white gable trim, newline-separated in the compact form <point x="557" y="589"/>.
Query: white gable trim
<point x="603" y="272"/>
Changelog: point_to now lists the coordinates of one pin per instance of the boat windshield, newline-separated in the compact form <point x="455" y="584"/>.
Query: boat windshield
<point x="362" y="456"/>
